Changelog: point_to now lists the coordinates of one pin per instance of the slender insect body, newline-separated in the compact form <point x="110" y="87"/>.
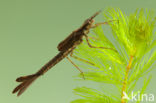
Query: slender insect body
<point x="70" y="41"/>
<point x="75" y="38"/>
<point x="53" y="61"/>
<point x="65" y="48"/>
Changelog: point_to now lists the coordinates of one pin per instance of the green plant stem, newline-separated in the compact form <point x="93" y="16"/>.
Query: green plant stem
<point x="125" y="79"/>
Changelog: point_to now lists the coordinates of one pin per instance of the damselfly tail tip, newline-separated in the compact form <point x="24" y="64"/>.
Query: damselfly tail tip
<point x="26" y="81"/>
<point x="23" y="78"/>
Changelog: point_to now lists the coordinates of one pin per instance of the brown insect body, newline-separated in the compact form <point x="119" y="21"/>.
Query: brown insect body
<point x="71" y="41"/>
<point x="75" y="38"/>
<point x="65" y="48"/>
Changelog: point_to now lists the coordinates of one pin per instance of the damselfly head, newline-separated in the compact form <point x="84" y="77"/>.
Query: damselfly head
<point x="93" y="16"/>
<point x="90" y="20"/>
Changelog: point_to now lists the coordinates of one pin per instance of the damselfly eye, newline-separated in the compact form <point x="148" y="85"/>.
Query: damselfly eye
<point x="92" y="21"/>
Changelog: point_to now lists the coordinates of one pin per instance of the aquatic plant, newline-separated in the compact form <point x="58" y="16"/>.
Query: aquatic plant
<point x="118" y="74"/>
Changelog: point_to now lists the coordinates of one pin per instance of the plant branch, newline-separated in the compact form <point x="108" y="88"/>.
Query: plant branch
<point x="125" y="79"/>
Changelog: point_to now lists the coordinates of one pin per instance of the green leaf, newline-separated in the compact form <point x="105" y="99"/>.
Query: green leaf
<point x="133" y="38"/>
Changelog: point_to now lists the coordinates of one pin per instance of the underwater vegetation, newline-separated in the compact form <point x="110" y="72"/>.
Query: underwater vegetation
<point x="121" y="75"/>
